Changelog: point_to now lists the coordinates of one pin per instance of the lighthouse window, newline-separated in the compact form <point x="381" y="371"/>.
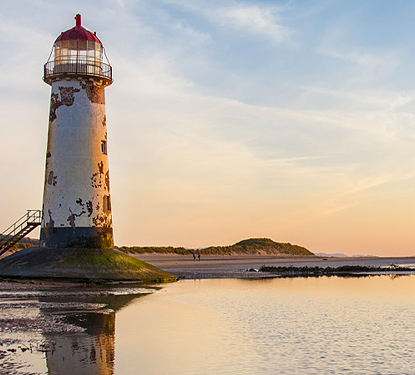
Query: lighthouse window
<point x="104" y="147"/>
<point x="107" y="203"/>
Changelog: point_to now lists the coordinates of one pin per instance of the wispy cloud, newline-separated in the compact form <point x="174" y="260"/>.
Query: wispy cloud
<point x="259" y="20"/>
<point x="198" y="36"/>
<point x="372" y="61"/>
<point x="354" y="98"/>
<point x="367" y="61"/>
<point x="120" y="3"/>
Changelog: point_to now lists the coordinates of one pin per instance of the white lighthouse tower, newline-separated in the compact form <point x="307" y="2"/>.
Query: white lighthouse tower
<point x="76" y="199"/>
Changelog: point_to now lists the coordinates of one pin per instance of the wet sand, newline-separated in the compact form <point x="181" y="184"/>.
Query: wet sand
<point x="236" y="266"/>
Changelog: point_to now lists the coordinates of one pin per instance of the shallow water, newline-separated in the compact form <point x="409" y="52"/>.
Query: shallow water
<point x="326" y="325"/>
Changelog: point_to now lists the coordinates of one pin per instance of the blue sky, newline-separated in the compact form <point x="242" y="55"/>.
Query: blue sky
<point x="292" y="120"/>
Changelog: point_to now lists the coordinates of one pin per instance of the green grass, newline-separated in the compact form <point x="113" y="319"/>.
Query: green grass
<point x="112" y="261"/>
<point x="105" y="259"/>
<point x="251" y="246"/>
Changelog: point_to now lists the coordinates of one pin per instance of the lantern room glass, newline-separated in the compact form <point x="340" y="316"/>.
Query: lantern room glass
<point x="82" y="56"/>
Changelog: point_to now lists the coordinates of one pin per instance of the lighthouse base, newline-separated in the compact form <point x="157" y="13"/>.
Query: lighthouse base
<point x="80" y="265"/>
<point x="79" y="237"/>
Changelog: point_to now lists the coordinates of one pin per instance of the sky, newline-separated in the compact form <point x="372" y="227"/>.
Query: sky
<point x="291" y="120"/>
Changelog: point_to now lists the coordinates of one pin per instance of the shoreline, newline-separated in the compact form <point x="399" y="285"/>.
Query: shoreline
<point x="236" y="267"/>
<point x="214" y="267"/>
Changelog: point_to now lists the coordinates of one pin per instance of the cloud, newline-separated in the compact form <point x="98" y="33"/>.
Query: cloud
<point x="363" y="61"/>
<point x="121" y="4"/>
<point x="355" y="99"/>
<point x="193" y="34"/>
<point x="251" y="18"/>
<point x="386" y="60"/>
<point x="256" y="19"/>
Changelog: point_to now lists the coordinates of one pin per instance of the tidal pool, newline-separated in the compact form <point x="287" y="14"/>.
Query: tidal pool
<point x="326" y="325"/>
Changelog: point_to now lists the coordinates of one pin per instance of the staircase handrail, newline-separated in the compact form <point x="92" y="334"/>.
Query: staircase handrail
<point x="31" y="217"/>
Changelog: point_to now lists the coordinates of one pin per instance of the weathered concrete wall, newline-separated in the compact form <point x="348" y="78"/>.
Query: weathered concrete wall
<point x="76" y="201"/>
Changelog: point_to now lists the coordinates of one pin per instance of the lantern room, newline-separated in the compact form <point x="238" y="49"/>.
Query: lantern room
<point x="78" y="53"/>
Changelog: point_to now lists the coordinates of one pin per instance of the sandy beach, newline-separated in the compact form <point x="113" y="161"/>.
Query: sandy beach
<point x="236" y="266"/>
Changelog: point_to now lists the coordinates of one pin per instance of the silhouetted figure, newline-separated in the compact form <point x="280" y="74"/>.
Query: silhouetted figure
<point x="198" y="256"/>
<point x="194" y="256"/>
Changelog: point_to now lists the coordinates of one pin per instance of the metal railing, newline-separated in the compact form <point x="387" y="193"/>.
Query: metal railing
<point x="77" y="67"/>
<point x="20" y="228"/>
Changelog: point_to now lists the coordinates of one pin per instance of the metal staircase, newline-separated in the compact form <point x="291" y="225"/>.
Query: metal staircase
<point x="19" y="229"/>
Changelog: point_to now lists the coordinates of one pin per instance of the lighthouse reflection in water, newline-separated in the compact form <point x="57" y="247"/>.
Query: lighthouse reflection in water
<point x="86" y="345"/>
<point x="90" y="352"/>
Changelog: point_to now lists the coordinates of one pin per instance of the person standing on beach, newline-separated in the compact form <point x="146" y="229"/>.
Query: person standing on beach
<point x="198" y="256"/>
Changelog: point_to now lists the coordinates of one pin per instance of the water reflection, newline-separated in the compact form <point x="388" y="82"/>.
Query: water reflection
<point x="47" y="330"/>
<point x="308" y="326"/>
<point x="89" y="352"/>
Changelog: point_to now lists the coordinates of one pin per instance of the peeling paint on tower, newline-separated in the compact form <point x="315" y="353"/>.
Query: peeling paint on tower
<point x="96" y="94"/>
<point x="52" y="179"/>
<point x="54" y="105"/>
<point x="68" y="95"/>
<point x="65" y="97"/>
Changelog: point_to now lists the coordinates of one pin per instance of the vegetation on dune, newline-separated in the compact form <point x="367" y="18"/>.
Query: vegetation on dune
<point x="252" y="246"/>
<point x="258" y="246"/>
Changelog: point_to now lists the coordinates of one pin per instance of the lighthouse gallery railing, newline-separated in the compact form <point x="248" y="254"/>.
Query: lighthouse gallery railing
<point x="68" y="67"/>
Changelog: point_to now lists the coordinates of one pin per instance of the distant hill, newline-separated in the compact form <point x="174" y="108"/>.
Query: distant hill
<point x="331" y="255"/>
<point x="252" y="246"/>
<point x="258" y="246"/>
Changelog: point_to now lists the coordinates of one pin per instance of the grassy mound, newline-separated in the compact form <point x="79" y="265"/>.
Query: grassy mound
<point x="81" y="264"/>
<point x="258" y="246"/>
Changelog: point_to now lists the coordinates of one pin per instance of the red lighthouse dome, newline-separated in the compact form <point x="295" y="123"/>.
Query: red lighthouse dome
<point x="78" y="33"/>
<point x="78" y="53"/>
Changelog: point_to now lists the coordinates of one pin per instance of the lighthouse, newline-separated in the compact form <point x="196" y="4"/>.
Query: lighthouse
<point x="76" y="237"/>
<point x="76" y="199"/>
